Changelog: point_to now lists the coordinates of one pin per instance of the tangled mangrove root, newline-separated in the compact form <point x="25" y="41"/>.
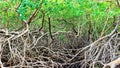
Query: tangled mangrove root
<point x="30" y="51"/>
<point x="36" y="50"/>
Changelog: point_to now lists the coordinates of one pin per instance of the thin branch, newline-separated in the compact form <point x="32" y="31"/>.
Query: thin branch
<point x="49" y="23"/>
<point x="43" y="20"/>
<point x="33" y="16"/>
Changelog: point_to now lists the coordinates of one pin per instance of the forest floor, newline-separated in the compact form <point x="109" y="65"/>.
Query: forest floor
<point x="33" y="49"/>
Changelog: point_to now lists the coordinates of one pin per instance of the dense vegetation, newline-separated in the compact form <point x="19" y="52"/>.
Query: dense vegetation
<point x="56" y="25"/>
<point x="65" y="15"/>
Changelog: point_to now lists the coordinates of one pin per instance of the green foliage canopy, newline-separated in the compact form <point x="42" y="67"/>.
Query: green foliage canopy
<point x="80" y="12"/>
